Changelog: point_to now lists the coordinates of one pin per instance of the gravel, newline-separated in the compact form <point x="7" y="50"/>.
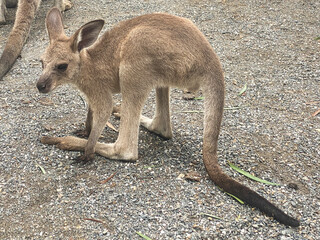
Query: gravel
<point x="268" y="45"/>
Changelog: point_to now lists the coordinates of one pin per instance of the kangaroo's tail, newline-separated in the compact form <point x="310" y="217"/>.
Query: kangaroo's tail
<point x="214" y="102"/>
<point x="18" y="35"/>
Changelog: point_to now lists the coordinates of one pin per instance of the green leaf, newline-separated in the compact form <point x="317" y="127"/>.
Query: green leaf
<point x="251" y="176"/>
<point x="149" y="166"/>
<point x="143" y="236"/>
<point x="210" y="215"/>
<point x="242" y="91"/>
<point x="198" y="98"/>
<point x="317" y="38"/>
<point x="236" y="198"/>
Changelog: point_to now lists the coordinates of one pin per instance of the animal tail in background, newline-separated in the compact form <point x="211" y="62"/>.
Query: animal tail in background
<point x="18" y="35"/>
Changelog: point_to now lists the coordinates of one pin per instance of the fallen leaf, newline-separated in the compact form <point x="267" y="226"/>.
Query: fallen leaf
<point x="180" y="177"/>
<point x="197" y="227"/>
<point x="312" y="102"/>
<point x="41" y="168"/>
<point x="250" y="175"/>
<point x="236" y="198"/>
<point x="316" y="113"/>
<point x="199" y="98"/>
<point x="108" y="179"/>
<point x="94" y="220"/>
<point x="234" y="108"/>
<point x="210" y="215"/>
<point x="193" y="176"/>
<point x="143" y="236"/>
<point x="111" y="126"/>
<point x="45" y="101"/>
<point x="48" y="127"/>
<point x="191" y="111"/>
<point x="105" y="224"/>
<point x="26" y="101"/>
<point x="243" y="90"/>
<point x="226" y="108"/>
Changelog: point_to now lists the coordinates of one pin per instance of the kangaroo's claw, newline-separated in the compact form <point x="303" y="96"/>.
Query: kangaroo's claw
<point x="83" y="160"/>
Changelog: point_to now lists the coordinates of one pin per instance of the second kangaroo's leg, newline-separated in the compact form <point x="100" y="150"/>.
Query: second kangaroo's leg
<point x="3" y="10"/>
<point x="63" y="5"/>
<point x="160" y="124"/>
<point x="88" y="126"/>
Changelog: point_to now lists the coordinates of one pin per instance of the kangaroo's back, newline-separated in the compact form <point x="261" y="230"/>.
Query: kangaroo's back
<point x="170" y="47"/>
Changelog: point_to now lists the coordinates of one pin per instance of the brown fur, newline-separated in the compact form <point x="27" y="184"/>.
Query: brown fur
<point x="151" y="51"/>
<point x="25" y="14"/>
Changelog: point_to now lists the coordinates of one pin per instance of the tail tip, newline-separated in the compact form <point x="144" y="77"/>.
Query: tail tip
<point x="288" y="221"/>
<point x="294" y="223"/>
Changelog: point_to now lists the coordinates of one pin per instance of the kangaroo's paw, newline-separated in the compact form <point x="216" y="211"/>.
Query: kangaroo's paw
<point x="111" y="151"/>
<point x="162" y="129"/>
<point x="84" y="159"/>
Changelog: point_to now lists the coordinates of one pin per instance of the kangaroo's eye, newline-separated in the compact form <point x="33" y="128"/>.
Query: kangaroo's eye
<point x="62" y="67"/>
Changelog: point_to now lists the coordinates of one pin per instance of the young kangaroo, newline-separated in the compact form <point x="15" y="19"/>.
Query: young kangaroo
<point x="18" y="35"/>
<point x="151" y="51"/>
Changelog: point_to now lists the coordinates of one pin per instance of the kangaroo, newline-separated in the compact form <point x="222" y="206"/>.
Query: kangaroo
<point x="3" y="8"/>
<point x="150" y="51"/>
<point x="25" y="14"/>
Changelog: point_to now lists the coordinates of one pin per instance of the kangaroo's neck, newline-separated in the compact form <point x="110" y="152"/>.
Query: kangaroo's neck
<point x="97" y="73"/>
<point x="100" y="63"/>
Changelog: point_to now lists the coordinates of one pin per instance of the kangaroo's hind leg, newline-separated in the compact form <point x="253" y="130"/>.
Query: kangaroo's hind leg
<point x="160" y="124"/>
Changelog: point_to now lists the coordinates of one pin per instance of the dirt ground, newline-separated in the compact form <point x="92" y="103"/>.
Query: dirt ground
<point x="271" y="130"/>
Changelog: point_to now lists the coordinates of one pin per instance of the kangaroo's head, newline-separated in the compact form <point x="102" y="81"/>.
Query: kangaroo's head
<point x="61" y="60"/>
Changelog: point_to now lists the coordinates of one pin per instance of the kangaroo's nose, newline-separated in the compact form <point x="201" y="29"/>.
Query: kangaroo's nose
<point x="41" y="86"/>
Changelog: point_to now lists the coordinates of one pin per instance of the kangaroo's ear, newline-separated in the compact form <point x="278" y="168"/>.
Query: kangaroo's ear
<point x="54" y="24"/>
<point x="86" y="35"/>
